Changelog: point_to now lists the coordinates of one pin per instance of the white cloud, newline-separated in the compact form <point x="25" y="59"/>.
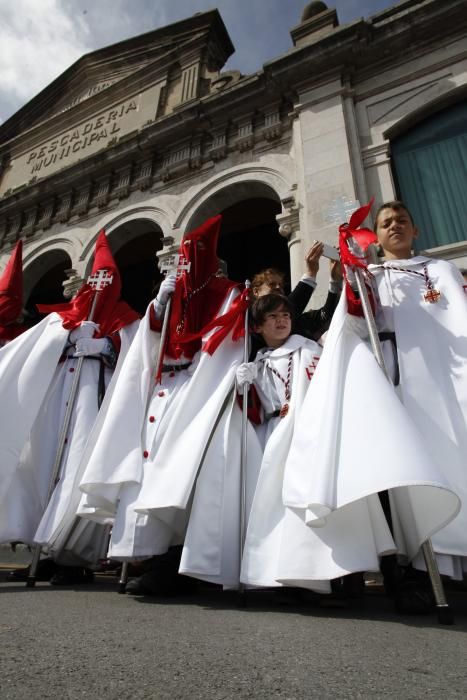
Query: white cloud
<point x="38" y="41"/>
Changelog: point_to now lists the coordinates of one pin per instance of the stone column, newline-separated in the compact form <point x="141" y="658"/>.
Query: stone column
<point x="327" y="190"/>
<point x="289" y="227"/>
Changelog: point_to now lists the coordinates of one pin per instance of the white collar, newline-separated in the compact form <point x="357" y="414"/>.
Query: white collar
<point x="410" y="262"/>
<point x="293" y="343"/>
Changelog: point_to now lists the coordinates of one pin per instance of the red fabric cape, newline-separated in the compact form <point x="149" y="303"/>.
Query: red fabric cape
<point x="11" y="295"/>
<point x="110" y="313"/>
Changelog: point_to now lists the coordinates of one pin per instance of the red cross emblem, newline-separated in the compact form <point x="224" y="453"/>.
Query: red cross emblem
<point x="311" y="369"/>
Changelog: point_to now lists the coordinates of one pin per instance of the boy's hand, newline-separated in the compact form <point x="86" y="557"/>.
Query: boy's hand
<point x="335" y="270"/>
<point x="166" y="289"/>
<point x="85" y="330"/>
<point x="90" y="346"/>
<point x="246" y="374"/>
<point x="312" y="259"/>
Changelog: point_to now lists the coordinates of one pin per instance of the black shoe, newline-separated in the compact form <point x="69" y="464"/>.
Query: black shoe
<point x="136" y="587"/>
<point x="72" y="576"/>
<point x="161" y="583"/>
<point x="413" y="598"/>
<point x="44" y="572"/>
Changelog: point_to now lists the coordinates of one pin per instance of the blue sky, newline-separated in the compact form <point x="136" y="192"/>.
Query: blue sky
<point x="39" y="39"/>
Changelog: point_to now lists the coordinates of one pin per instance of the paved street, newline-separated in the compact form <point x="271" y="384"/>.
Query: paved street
<point x="90" y="642"/>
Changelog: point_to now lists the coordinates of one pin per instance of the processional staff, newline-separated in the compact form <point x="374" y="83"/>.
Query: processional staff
<point x="243" y="455"/>
<point x="357" y="257"/>
<point x="98" y="281"/>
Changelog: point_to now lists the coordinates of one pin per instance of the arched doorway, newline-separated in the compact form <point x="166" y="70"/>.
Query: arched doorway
<point x="249" y="239"/>
<point x="44" y="279"/>
<point x="135" y="245"/>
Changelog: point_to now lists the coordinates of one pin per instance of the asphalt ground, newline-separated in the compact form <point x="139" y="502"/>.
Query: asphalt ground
<point x="91" y="642"/>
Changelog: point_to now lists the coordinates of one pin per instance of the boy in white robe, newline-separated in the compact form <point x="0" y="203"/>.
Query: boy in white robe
<point x="357" y="432"/>
<point x="281" y="549"/>
<point x="422" y="309"/>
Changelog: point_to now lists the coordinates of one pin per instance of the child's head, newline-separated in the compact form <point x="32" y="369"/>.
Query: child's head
<point x="395" y="229"/>
<point x="268" y="281"/>
<point x="271" y="316"/>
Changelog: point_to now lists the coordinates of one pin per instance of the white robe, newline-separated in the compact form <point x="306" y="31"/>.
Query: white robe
<point x="355" y="438"/>
<point x="211" y="550"/>
<point x="142" y="473"/>
<point x="280" y="548"/>
<point x="432" y="352"/>
<point x="25" y="514"/>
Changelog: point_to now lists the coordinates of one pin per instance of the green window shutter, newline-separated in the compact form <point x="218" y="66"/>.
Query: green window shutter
<point x="430" y="163"/>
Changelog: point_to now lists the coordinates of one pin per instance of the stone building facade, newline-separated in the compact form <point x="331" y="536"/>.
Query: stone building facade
<point x="148" y="137"/>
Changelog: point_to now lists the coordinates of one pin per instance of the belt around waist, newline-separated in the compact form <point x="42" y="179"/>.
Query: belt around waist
<point x="274" y="414"/>
<point x="175" y="368"/>
<point x="86" y="357"/>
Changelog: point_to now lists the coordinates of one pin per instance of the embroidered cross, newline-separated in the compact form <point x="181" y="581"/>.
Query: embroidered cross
<point x="100" y="279"/>
<point x="432" y="296"/>
<point x="311" y="369"/>
<point x="176" y="263"/>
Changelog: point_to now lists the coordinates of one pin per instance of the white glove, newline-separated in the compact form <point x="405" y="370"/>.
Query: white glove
<point x="85" y="330"/>
<point x="246" y="374"/>
<point x="91" y="346"/>
<point x="166" y="289"/>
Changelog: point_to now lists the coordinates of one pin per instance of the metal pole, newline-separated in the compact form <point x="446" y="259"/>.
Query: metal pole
<point x="55" y="475"/>
<point x="243" y="457"/>
<point x="445" y="616"/>
<point x="164" y="332"/>
<point x="123" y="580"/>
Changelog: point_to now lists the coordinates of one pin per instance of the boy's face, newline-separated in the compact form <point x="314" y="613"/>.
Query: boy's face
<point x="396" y="233"/>
<point x="273" y="286"/>
<point x="276" y="327"/>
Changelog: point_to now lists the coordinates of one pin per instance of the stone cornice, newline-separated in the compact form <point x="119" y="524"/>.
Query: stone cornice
<point x="366" y="46"/>
<point x="207" y="28"/>
<point x="172" y="149"/>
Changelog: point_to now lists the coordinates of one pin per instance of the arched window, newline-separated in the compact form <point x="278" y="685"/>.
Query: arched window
<point x="430" y="163"/>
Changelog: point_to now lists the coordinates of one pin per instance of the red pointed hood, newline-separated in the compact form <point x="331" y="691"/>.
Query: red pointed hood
<point x="199" y="293"/>
<point x="11" y="287"/>
<point x="111" y="313"/>
<point x="11" y="296"/>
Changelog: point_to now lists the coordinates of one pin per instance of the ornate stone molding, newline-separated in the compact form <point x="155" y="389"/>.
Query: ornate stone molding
<point x="64" y="208"/>
<point x="82" y="201"/>
<point x="245" y="139"/>
<point x="45" y="216"/>
<point x="190" y="83"/>
<point x="122" y="189"/>
<point x="103" y="192"/>
<point x="72" y="284"/>
<point x="272" y="124"/>
<point x="14" y="228"/>
<point x="144" y="177"/>
<point x="3" y="230"/>
<point x="29" y="222"/>
<point x="376" y="155"/>
<point x="289" y="219"/>
<point x="218" y="149"/>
